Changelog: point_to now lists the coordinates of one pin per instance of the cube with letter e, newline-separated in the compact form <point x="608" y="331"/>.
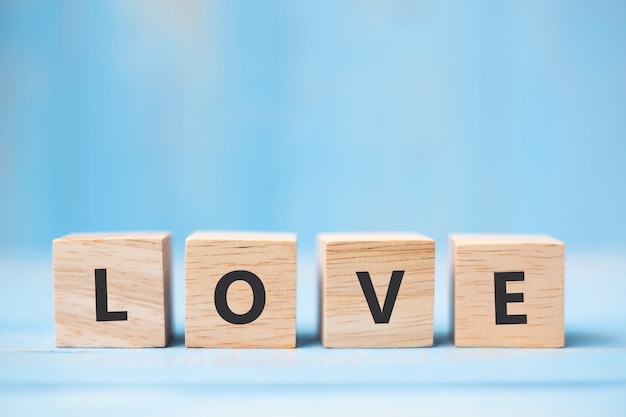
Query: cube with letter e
<point x="508" y="290"/>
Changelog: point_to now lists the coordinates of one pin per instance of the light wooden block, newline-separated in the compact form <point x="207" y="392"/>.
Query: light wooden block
<point x="210" y="258"/>
<point x="537" y="267"/>
<point x="137" y="268"/>
<point x="348" y="320"/>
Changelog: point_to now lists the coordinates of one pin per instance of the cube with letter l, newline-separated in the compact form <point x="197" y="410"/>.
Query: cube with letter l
<point x="112" y="289"/>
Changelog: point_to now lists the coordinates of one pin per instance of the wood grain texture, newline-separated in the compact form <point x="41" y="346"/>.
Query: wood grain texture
<point x="347" y="321"/>
<point x="138" y="282"/>
<point x="474" y="260"/>
<point x="271" y="257"/>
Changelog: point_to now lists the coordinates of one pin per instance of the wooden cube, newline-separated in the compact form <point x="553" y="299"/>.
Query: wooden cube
<point x="508" y="290"/>
<point x="377" y="289"/>
<point x="112" y="289"/>
<point x="240" y="290"/>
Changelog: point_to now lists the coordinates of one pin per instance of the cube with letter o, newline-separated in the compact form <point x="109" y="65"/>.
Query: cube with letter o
<point x="240" y="290"/>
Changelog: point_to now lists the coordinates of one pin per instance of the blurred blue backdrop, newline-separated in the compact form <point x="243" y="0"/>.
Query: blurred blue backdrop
<point x="313" y="116"/>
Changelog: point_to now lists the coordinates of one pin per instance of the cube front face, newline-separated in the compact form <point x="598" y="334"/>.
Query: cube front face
<point x="348" y="262"/>
<point x="508" y="291"/>
<point x="128" y="273"/>
<point x="252" y="278"/>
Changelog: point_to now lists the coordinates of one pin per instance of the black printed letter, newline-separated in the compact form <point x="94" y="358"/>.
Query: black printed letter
<point x="258" y="297"/>
<point x="384" y="315"/>
<point x="503" y="297"/>
<point x="102" y="304"/>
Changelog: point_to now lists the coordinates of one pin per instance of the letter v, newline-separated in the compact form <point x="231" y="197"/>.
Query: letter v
<point x="384" y="315"/>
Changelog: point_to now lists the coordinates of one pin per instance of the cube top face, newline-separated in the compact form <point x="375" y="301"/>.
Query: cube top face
<point x="243" y="268"/>
<point x="347" y="260"/>
<point x="136" y="271"/>
<point x="352" y="237"/>
<point x="242" y="236"/>
<point x="508" y="290"/>
<point x="471" y="239"/>
<point x="145" y="237"/>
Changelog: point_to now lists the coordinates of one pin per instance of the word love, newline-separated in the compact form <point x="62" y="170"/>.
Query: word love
<point x="377" y="290"/>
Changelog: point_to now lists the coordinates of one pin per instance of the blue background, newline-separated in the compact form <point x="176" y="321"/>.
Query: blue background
<point x="313" y="116"/>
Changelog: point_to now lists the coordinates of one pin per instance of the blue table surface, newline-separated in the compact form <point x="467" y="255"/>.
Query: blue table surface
<point x="587" y="377"/>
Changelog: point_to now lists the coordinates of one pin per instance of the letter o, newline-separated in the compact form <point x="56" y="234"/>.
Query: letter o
<point x="258" y="297"/>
